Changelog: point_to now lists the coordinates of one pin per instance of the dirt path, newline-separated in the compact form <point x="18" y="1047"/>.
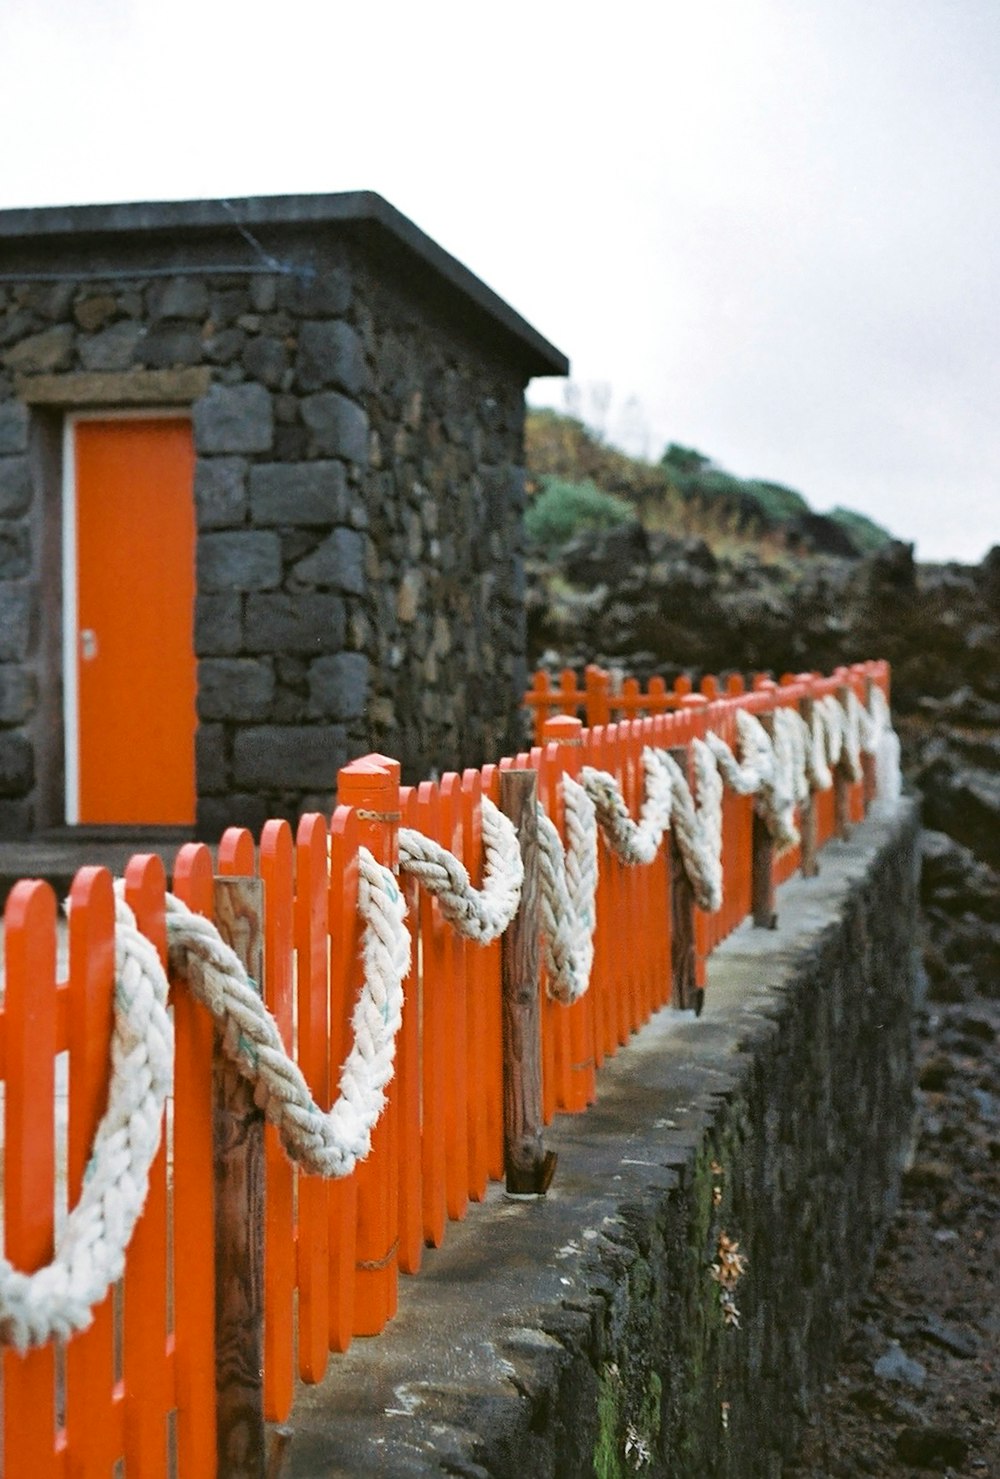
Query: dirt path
<point x="918" y="1387"/>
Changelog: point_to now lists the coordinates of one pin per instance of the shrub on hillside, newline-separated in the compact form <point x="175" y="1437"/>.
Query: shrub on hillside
<point x="563" y="510"/>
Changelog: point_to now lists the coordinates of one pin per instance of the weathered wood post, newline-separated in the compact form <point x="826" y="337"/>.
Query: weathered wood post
<point x="238" y="1134"/>
<point x="683" y="952"/>
<point x="580" y="1085"/>
<point x="842" y="780"/>
<point x="869" y="762"/>
<point x="528" y="1166"/>
<point x="762" y="893"/>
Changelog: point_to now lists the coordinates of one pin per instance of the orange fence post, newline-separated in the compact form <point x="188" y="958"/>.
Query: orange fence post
<point x="29" y="1162"/>
<point x="408" y="1089"/>
<point x="276" y="866"/>
<point x="597" y="684"/>
<point x="148" y="1387"/>
<point x="371" y="786"/>
<point x="193" y="1189"/>
<point x="313" y="1002"/>
<point x="93" y="1416"/>
<point x="345" y="947"/>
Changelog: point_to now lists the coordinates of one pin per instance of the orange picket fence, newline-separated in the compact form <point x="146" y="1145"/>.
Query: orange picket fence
<point x="139" y="1385"/>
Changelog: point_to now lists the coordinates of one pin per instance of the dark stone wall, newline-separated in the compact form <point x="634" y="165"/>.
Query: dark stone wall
<point x="583" y="1334"/>
<point x="445" y="495"/>
<point x="358" y="495"/>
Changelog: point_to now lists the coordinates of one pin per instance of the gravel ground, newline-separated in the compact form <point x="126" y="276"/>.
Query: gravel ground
<point x="918" y="1387"/>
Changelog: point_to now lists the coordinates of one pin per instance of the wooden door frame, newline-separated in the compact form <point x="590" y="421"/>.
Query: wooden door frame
<point x="70" y="570"/>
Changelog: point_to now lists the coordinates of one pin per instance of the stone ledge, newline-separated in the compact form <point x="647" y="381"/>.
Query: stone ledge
<point x="549" y="1335"/>
<point x="114" y="389"/>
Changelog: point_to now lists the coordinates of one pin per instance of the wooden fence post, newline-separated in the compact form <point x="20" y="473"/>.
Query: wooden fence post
<point x="842" y="782"/>
<point x="528" y="1166"/>
<point x="238" y="1132"/>
<point x="683" y="953"/>
<point x="762" y="896"/>
<point x="808" y="820"/>
<point x="868" y="762"/>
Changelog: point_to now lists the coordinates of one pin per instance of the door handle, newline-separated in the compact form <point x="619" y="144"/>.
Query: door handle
<point x="88" y="644"/>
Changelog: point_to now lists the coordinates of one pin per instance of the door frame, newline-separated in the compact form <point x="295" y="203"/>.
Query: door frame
<point x="70" y="568"/>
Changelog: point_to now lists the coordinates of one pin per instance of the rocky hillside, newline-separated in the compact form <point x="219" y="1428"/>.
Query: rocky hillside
<point x="651" y="603"/>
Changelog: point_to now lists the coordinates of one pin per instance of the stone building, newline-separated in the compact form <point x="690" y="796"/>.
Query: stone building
<point x="261" y="490"/>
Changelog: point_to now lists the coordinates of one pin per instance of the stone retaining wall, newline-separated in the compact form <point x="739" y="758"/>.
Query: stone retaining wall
<point x="583" y="1334"/>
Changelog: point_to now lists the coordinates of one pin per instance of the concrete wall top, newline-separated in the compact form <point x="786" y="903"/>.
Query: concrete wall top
<point x="59" y="241"/>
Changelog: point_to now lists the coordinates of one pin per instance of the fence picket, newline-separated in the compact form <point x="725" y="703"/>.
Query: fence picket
<point x="276" y="869"/>
<point x="193" y="1190"/>
<point x="147" y="1366"/>
<point x="94" y="1413"/>
<point x="345" y="944"/>
<point x="313" y="1000"/>
<point x="29" y="1162"/>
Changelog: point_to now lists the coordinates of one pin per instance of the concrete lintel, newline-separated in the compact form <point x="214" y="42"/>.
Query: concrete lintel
<point x="125" y="388"/>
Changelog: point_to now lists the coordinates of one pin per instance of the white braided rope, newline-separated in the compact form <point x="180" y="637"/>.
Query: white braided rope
<point x="568" y="887"/>
<point x="479" y="914"/>
<point x="632" y="842"/>
<point x="90" y="1254"/>
<point x="697" y="824"/>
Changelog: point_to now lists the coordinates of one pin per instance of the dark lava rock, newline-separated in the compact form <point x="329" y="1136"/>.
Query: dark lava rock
<point x="931" y="1447"/>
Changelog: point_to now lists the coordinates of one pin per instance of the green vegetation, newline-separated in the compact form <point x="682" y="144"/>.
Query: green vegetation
<point x="563" y="509"/>
<point x="867" y="535"/>
<point x="579" y="482"/>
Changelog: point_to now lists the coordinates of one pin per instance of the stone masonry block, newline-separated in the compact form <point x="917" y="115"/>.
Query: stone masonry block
<point x="239" y="560"/>
<point x="13" y="427"/>
<point x="15" y="550"/>
<point x="15" y="485"/>
<point x="279" y="622"/>
<point x="114" y="348"/>
<point x="319" y="295"/>
<point x="41" y="354"/>
<point x="298" y="493"/>
<point x="339" y="426"/>
<point x="234" y="688"/>
<point x="17" y="765"/>
<point x="210" y="759"/>
<point x="289" y="756"/>
<point x="337" y="564"/>
<point x="15" y="622"/>
<point x="220" y="491"/>
<point x="338" y="686"/>
<point x="218" y="625"/>
<point x="179" y="297"/>
<point x="234" y="418"/>
<point x="17" y="695"/>
<point x="330" y="353"/>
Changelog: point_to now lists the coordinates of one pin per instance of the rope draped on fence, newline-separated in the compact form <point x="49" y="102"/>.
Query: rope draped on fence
<point x="90" y="1253"/>
<point x="779" y="771"/>
<point x="478" y="914"/>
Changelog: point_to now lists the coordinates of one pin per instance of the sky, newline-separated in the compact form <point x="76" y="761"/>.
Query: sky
<point x="764" y="228"/>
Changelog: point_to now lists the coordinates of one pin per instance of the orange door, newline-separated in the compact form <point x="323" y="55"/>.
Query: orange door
<point x="131" y="759"/>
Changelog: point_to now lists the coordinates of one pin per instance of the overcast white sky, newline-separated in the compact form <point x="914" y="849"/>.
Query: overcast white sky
<point x="769" y="226"/>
